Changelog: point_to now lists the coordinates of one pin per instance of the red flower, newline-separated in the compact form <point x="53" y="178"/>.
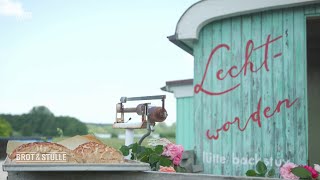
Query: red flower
<point x="313" y="172"/>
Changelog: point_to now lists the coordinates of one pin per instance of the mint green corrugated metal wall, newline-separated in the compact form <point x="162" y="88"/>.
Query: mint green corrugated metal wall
<point x="185" y="123"/>
<point x="281" y="137"/>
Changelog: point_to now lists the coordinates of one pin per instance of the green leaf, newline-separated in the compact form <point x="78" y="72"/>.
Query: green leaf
<point x="164" y="161"/>
<point x="134" y="147"/>
<point x="301" y="172"/>
<point x="261" y="168"/>
<point x="158" y="149"/>
<point x="251" y="172"/>
<point x="124" y="150"/>
<point x="157" y="166"/>
<point x="141" y="149"/>
<point x="271" y="173"/>
<point x="144" y="159"/>
<point x="145" y="152"/>
<point x="180" y="169"/>
<point x="132" y="156"/>
<point x="261" y="175"/>
<point x="148" y="151"/>
<point x="153" y="158"/>
<point x="140" y="156"/>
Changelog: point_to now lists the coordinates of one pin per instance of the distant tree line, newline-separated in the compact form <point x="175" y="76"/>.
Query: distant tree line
<point x="164" y="130"/>
<point x="40" y="121"/>
<point x="5" y="128"/>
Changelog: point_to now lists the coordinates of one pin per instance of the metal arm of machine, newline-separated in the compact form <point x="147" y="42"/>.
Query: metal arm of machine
<point x="149" y="114"/>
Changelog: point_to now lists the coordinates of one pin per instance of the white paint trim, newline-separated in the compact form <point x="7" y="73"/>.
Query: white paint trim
<point x="181" y="91"/>
<point x="206" y="11"/>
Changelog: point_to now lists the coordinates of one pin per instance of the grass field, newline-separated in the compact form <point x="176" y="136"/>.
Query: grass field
<point x="161" y="128"/>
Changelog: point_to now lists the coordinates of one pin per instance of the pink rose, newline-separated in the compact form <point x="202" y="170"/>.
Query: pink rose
<point x="173" y="150"/>
<point x="177" y="159"/>
<point x="166" y="169"/>
<point x="285" y="171"/>
<point x="313" y="172"/>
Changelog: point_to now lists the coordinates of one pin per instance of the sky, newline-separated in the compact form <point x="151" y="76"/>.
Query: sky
<point x="78" y="57"/>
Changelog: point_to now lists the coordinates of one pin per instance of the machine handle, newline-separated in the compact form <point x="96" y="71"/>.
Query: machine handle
<point x="125" y="99"/>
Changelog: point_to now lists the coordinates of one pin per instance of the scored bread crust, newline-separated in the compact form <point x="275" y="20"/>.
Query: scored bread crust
<point x="43" y="148"/>
<point x="93" y="152"/>
<point x="90" y="152"/>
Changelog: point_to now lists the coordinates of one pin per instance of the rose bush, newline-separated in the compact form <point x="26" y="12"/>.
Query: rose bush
<point x="314" y="173"/>
<point x="174" y="152"/>
<point x="292" y="171"/>
<point x="166" y="155"/>
<point x="285" y="171"/>
<point x="177" y="159"/>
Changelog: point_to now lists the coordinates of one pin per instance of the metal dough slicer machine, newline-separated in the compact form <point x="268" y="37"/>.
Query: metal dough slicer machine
<point x="149" y="116"/>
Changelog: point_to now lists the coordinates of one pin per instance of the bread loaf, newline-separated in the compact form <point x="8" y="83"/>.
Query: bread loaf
<point x="40" y="148"/>
<point x="93" y="152"/>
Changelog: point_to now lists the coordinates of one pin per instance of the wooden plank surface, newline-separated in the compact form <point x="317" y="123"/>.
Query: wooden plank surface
<point x="288" y="80"/>
<point x="245" y="96"/>
<point x="214" y="102"/>
<point x="311" y="9"/>
<point x="278" y="94"/>
<point x="257" y="142"/>
<point x="267" y="89"/>
<point x="236" y="94"/>
<point x="226" y="111"/>
<point x="283" y="135"/>
<point x="207" y="109"/>
<point x="198" y="98"/>
<point x="185" y="123"/>
<point x="300" y="60"/>
<point x="317" y="9"/>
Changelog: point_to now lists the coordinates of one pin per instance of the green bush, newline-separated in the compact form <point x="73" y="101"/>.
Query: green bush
<point x="5" y="128"/>
<point x="114" y="135"/>
<point x="40" y="121"/>
<point x="167" y="135"/>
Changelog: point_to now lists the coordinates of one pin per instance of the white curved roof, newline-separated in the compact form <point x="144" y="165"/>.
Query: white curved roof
<point x="206" y="11"/>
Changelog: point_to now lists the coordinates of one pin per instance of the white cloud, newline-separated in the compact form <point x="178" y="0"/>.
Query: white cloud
<point x="13" y="8"/>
